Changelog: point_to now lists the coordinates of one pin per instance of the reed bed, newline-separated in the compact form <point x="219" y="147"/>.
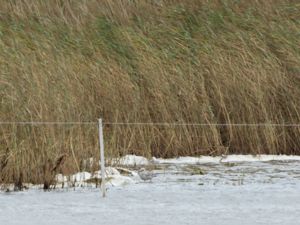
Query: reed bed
<point x="184" y="61"/>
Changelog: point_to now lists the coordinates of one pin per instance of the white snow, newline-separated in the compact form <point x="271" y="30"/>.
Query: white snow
<point x="152" y="204"/>
<point x="118" y="180"/>
<point x="132" y="160"/>
<point x="228" y="158"/>
<point x="109" y="171"/>
<point x="189" y="190"/>
<point x="262" y="158"/>
<point x="80" y="177"/>
<point x="114" y="178"/>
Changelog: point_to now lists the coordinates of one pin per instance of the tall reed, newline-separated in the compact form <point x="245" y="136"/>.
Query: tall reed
<point x="194" y="61"/>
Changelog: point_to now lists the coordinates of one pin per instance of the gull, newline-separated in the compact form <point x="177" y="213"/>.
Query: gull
<point x="145" y="175"/>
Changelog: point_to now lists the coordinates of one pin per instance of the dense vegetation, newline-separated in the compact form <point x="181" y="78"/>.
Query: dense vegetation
<point x="194" y="61"/>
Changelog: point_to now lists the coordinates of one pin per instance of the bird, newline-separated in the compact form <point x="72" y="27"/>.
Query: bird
<point x="145" y="175"/>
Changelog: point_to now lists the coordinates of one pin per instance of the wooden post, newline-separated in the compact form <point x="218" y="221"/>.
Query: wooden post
<point x="101" y="144"/>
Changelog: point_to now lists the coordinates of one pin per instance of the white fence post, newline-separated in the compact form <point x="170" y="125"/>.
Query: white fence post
<point x="101" y="144"/>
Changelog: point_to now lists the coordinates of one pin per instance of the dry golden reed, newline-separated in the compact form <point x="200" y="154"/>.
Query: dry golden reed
<point x="194" y="61"/>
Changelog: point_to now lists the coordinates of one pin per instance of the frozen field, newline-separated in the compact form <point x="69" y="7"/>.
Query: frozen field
<point x="182" y="192"/>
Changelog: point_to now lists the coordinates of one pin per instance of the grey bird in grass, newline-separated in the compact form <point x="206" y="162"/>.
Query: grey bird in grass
<point x="145" y="175"/>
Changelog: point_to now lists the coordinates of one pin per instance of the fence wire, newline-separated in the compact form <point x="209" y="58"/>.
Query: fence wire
<point x="45" y="123"/>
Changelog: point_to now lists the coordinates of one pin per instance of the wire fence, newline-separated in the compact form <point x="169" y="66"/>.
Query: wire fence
<point x="45" y="123"/>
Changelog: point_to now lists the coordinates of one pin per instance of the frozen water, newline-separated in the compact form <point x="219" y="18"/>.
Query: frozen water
<point x="212" y="193"/>
<point x="227" y="158"/>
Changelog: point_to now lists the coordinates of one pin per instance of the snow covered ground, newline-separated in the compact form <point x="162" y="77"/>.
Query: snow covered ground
<point x="184" y="191"/>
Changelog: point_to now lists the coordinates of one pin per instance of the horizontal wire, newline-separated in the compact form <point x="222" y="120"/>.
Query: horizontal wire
<point x="47" y="123"/>
<point x="207" y="124"/>
<point x="35" y="123"/>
